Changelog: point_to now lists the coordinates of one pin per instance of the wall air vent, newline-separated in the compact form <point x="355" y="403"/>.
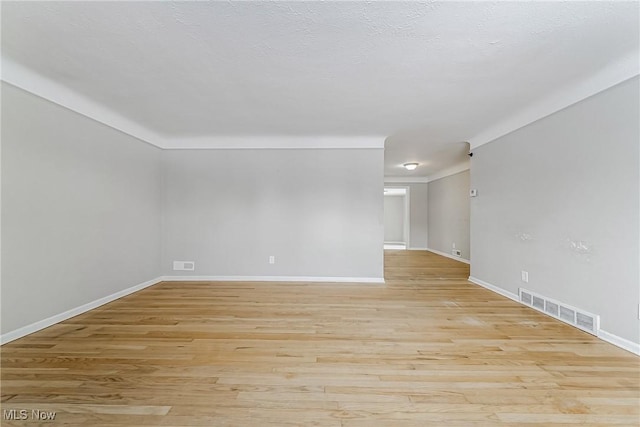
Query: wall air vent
<point x="552" y="308"/>
<point x="184" y="266"/>
<point x="538" y="303"/>
<point x="567" y="314"/>
<point x="585" y="321"/>
<point x="575" y="317"/>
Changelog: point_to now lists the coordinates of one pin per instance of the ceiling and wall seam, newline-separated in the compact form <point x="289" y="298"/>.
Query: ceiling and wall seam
<point x="26" y="79"/>
<point x="19" y="76"/>
<point x="434" y="78"/>
<point x="611" y="75"/>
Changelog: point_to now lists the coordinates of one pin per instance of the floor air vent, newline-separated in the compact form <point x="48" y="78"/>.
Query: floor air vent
<point x="579" y="318"/>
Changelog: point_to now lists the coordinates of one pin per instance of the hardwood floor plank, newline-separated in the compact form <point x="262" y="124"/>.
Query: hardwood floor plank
<point x="427" y="348"/>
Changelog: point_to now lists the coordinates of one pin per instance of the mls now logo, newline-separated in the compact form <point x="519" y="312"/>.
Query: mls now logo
<point x="14" y="414"/>
<point x="42" y="415"/>
<point x="23" y="414"/>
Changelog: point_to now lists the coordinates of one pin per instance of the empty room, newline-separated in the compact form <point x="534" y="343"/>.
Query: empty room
<point x="320" y="213"/>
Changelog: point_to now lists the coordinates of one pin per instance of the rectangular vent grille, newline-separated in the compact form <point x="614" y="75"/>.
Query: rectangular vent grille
<point x="551" y="308"/>
<point x="184" y="265"/>
<point x="567" y="314"/>
<point x="579" y="318"/>
<point x="538" y="303"/>
<point x="585" y="321"/>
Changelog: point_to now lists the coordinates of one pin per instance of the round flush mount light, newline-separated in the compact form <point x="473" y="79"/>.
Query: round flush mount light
<point x="410" y="166"/>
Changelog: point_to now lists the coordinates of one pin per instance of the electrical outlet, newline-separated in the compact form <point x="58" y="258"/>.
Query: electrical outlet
<point x="525" y="276"/>
<point x="454" y="246"/>
<point x="272" y="259"/>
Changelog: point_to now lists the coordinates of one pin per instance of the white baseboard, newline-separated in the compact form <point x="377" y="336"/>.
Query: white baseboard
<point x="272" y="279"/>
<point x="495" y="289"/>
<point x="393" y="246"/>
<point x="45" y="323"/>
<point x="417" y="249"/>
<point x="444" y="254"/>
<point x="623" y="343"/>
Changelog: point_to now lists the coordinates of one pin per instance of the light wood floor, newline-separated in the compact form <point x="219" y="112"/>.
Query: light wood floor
<point x="427" y="348"/>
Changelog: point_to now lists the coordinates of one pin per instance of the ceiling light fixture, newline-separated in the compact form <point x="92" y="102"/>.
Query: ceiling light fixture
<point x="410" y="166"/>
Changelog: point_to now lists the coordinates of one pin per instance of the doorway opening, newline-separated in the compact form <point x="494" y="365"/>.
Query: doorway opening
<point x="396" y="218"/>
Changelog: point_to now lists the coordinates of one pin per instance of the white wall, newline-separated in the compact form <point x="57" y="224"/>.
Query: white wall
<point x="80" y="210"/>
<point x="317" y="213"/>
<point x="418" y="194"/>
<point x="559" y="198"/>
<point x="394" y="218"/>
<point x="449" y="214"/>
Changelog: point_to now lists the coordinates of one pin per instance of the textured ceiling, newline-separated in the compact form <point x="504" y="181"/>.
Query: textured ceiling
<point x="424" y="75"/>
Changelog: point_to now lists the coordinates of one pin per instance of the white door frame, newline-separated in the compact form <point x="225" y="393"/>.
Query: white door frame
<point x="407" y="212"/>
